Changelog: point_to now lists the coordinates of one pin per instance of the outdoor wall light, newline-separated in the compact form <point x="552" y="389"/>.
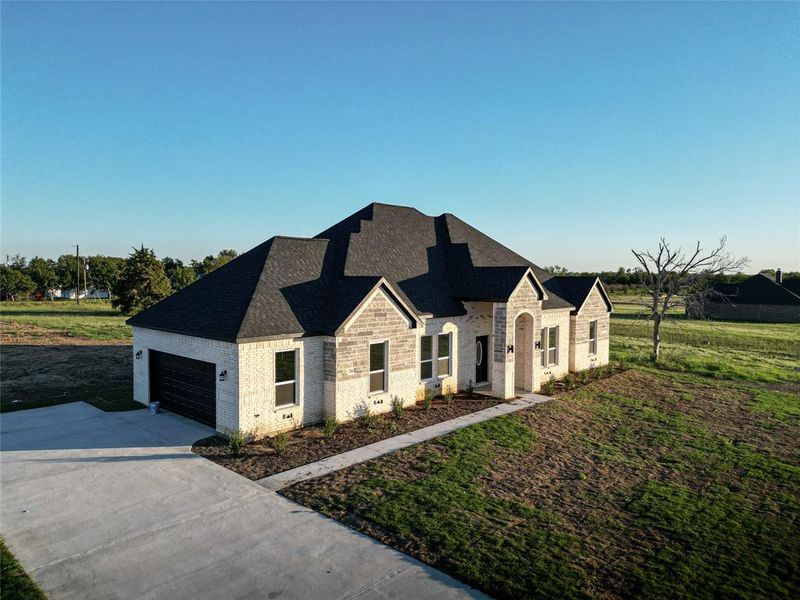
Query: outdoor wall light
<point x="510" y="349"/>
<point x="138" y="355"/>
<point x="223" y="375"/>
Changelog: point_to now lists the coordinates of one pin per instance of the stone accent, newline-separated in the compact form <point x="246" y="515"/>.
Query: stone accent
<point x="524" y="299"/>
<point x="579" y="357"/>
<point x="380" y="319"/>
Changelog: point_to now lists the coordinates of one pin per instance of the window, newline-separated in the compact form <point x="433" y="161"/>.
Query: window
<point x="552" y="346"/>
<point x="285" y="364"/>
<point x="549" y="344"/>
<point x="593" y="337"/>
<point x="377" y="367"/>
<point x="444" y="354"/>
<point x="426" y="357"/>
<point x="543" y="346"/>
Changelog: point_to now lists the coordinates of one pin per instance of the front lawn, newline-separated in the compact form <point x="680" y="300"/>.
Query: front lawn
<point x="675" y="481"/>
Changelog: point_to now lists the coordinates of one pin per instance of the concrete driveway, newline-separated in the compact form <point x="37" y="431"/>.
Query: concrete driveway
<point x="115" y="505"/>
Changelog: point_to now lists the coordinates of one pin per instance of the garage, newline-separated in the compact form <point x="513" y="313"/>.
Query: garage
<point x="184" y="386"/>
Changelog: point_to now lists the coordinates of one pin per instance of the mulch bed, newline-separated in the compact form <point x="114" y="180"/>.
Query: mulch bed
<point x="259" y="459"/>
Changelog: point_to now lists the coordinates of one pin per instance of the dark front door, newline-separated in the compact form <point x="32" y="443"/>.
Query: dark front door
<point x="481" y="358"/>
<point x="184" y="385"/>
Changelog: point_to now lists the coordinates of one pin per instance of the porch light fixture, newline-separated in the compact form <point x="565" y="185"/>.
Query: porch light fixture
<point x="223" y="375"/>
<point x="510" y="349"/>
<point x="138" y="355"/>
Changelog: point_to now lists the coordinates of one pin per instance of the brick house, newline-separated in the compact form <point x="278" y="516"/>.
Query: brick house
<point x="388" y="302"/>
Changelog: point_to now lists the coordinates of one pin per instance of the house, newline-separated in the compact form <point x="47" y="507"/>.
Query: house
<point x="388" y="302"/>
<point x="758" y="298"/>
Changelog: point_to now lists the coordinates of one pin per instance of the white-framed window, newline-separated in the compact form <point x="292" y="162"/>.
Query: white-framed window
<point x="285" y="378"/>
<point x="378" y="357"/>
<point x="552" y="346"/>
<point x="443" y="354"/>
<point x="549" y="344"/>
<point x="593" y="337"/>
<point x="426" y="357"/>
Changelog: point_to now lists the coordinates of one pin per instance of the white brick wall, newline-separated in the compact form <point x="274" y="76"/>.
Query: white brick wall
<point x="560" y="319"/>
<point x="258" y="414"/>
<point x="593" y="308"/>
<point x="222" y="354"/>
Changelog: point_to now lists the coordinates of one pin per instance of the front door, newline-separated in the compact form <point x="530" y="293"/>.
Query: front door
<point x="481" y="358"/>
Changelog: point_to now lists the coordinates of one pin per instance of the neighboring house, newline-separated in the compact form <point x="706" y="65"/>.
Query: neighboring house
<point x="759" y="298"/>
<point x="69" y="294"/>
<point x="388" y="302"/>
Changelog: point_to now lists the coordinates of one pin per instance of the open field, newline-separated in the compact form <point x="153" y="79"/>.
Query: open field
<point x="681" y="481"/>
<point x="53" y="352"/>
<point x="91" y="319"/>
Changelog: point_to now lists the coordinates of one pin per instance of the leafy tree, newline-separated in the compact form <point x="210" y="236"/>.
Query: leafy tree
<point x="14" y="283"/>
<point x="179" y="275"/>
<point x="211" y="262"/>
<point x="182" y="277"/>
<point x="42" y="272"/>
<point x="18" y="262"/>
<point x="557" y="270"/>
<point x="66" y="271"/>
<point x="104" y="271"/>
<point x="142" y="282"/>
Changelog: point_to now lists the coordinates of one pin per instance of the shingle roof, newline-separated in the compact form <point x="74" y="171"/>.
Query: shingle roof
<point x="294" y="286"/>
<point x="575" y="290"/>
<point x="758" y="289"/>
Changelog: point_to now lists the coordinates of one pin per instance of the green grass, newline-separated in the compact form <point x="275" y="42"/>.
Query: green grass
<point x="91" y="319"/>
<point x="676" y="481"/>
<point x="15" y="584"/>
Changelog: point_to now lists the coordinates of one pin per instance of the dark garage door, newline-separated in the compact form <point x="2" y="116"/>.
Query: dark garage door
<point x="184" y="385"/>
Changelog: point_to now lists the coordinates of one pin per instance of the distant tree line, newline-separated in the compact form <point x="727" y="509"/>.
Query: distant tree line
<point x="623" y="278"/>
<point x="133" y="283"/>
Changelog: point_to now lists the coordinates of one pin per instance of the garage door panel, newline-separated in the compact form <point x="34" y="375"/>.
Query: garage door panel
<point x="184" y="385"/>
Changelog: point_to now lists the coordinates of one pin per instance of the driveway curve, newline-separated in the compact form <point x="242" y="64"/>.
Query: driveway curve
<point x="115" y="505"/>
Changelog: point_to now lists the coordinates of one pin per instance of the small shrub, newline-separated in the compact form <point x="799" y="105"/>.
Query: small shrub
<point x="549" y="387"/>
<point x="236" y="441"/>
<point x="329" y="427"/>
<point x="366" y="418"/>
<point x="279" y="442"/>
<point x="569" y="381"/>
<point x="470" y="389"/>
<point x="427" y="400"/>
<point x="582" y="476"/>
<point x="393" y="426"/>
<point x="397" y="406"/>
<point x="448" y="397"/>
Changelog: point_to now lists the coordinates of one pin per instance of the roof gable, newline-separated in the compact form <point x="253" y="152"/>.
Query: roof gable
<point x="576" y="290"/>
<point x="758" y="289"/>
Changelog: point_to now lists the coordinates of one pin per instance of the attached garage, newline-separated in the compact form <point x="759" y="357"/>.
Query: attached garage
<point x="184" y="385"/>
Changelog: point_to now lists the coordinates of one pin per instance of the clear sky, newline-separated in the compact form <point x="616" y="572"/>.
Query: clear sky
<point x="570" y="132"/>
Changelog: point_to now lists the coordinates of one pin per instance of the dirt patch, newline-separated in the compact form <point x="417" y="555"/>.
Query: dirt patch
<point x="259" y="459"/>
<point x="42" y="375"/>
<point x="22" y="334"/>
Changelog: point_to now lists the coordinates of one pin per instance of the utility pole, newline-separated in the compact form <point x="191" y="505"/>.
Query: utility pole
<point x="78" y="273"/>
<point x="85" y="268"/>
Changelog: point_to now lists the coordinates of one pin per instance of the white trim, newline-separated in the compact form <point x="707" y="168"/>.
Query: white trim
<point x="276" y="384"/>
<point x="449" y="356"/>
<point x="599" y="285"/>
<point x="428" y="360"/>
<point x="524" y="279"/>
<point x="595" y="338"/>
<point x="384" y="370"/>
<point x="544" y="361"/>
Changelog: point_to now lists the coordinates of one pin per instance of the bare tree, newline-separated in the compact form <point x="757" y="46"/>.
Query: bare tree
<point x="672" y="278"/>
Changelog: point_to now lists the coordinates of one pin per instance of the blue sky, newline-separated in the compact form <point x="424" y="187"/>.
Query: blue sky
<point x="570" y="132"/>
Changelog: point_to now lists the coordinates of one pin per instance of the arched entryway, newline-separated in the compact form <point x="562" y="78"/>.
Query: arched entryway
<point x="523" y="352"/>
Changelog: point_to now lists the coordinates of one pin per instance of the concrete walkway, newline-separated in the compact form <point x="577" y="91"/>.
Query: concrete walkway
<point x="346" y="459"/>
<point x="115" y="505"/>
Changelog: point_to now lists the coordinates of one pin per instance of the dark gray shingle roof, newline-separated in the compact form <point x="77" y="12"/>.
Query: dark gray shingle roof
<point x="758" y="289"/>
<point x="294" y="286"/>
<point x="575" y="289"/>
